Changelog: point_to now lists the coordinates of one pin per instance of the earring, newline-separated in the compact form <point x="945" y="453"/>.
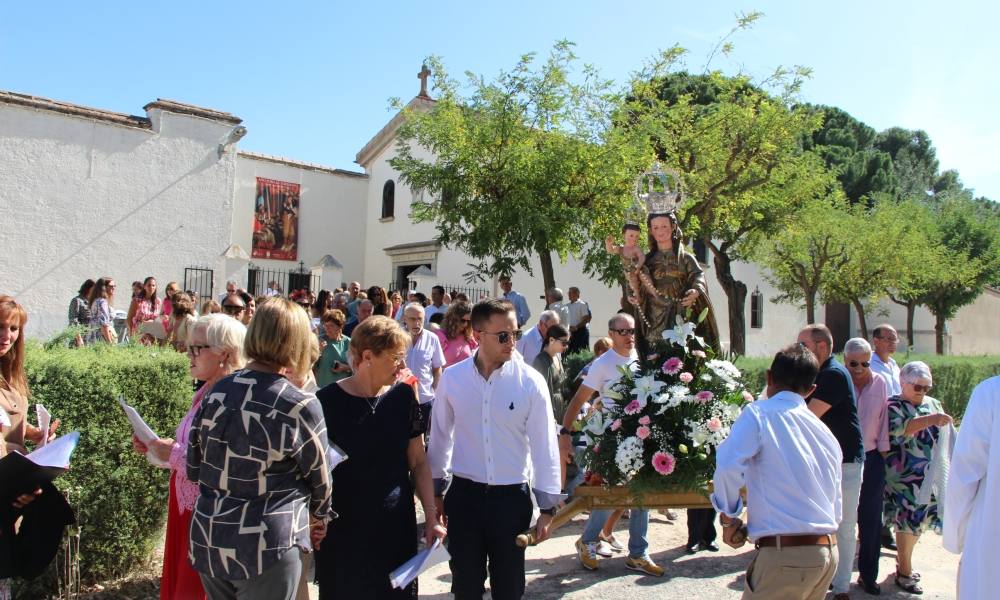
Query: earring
<point x="222" y="364"/>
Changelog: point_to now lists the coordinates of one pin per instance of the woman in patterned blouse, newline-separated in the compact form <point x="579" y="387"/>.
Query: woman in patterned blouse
<point x="145" y="307"/>
<point x="102" y="316"/>
<point x="258" y="450"/>
<point x="214" y="346"/>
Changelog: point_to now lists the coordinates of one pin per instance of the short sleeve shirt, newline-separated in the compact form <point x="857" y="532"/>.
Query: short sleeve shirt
<point x="605" y="370"/>
<point x="834" y="386"/>
<point x="422" y="358"/>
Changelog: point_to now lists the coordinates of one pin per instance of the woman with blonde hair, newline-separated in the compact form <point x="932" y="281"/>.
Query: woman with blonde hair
<point x="214" y="345"/>
<point x="455" y="334"/>
<point x="258" y="452"/>
<point x="376" y="421"/>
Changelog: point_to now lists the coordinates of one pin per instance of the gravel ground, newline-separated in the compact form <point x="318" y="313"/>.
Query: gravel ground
<point x="554" y="572"/>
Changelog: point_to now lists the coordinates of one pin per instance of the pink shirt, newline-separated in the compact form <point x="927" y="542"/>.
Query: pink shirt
<point x="456" y="350"/>
<point x="185" y="490"/>
<point x="873" y="403"/>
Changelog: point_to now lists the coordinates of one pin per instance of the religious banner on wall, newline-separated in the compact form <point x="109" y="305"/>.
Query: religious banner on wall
<point x="276" y="220"/>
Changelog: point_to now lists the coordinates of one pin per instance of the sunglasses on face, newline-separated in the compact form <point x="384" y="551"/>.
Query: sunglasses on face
<point x="624" y="331"/>
<point x="504" y="337"/>
<point x="920" y="388"/>
<point x="854" y="364"/>
<point x="233" y="310"/>
<point x="194" y="351"/>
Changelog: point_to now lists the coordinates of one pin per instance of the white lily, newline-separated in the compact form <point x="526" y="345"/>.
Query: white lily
<point x="680" y="334"/>
<point x="596" y="424"/>
<point x="646" y="387"/>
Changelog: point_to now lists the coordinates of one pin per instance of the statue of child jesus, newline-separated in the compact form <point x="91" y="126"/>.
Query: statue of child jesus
<point x="632" y="255"/>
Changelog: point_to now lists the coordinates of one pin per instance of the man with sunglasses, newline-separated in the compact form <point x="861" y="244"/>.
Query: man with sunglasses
<point x="492" y="430"/>
<point x="834" y="402"/>
<point x="873" y="412"/>
<point x="604" y="371"/>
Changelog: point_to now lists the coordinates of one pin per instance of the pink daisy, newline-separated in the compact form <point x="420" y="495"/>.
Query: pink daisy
<point x="664" y="463"/>
<point x="633" y="408"/>
<point x="714" y="424"/>
<point x="672" y="366"/>
<point x="686" y="377"/>
<point x="642" y="432"/>
<point x="705" y="396"/>
<point x="644" y="420"/>
<point x="616" y="425"/>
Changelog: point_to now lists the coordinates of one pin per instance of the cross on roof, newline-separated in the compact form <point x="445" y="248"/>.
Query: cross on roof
<point x="422" y="76"/>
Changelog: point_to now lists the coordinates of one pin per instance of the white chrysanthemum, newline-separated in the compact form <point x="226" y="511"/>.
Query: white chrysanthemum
<point x="629" y="456"/>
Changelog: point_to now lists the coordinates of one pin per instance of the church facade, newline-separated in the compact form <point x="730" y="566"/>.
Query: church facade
<point x="94" y="193"/>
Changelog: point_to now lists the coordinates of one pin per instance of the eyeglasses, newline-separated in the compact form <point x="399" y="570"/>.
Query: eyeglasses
<point x="563" y="341"/>
<point x="232" y="309"/>
<point x="504" y="337"/>
<point x="855" y="363"/>
<point x="921" y="389"/>
<point x="194" y="351"/>
<point x="624" y="331"/>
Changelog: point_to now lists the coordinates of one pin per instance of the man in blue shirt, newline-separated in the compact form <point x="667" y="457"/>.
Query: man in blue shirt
<point x="520" y="304"/>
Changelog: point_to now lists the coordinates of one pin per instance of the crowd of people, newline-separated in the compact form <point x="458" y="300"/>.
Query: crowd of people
<point x="832" y="454"/>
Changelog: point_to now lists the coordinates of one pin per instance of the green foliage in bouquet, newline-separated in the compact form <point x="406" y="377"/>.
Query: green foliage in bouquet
<point x="668" y="417"/>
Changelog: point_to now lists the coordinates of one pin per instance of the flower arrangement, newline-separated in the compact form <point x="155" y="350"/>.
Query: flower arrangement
<point x="667" y="417"/>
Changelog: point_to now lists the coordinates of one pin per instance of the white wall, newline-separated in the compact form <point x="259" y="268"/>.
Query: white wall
<point x="87" y="198"/>
<point x="331" y="213"/>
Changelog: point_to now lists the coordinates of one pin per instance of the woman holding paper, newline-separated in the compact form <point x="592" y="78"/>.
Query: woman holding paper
<point x="376" y="422"/>
<point x="215" y="349"/>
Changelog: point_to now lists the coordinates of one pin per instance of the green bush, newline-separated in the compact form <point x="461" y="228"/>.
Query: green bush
<point x="954" y="376"/>
<point x="119" y="498"/>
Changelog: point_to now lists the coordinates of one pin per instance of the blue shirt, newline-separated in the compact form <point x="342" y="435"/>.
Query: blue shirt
<point x="889" y="371"/>
<point x="520" y="307"/>
<point x="790" y="464"/>
<point x="834" y="387"/>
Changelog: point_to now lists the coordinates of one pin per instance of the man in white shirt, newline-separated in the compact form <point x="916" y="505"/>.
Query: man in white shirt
<point x="437" y="304"/>
<point x="578" y="322"/>
<point x="884" y="341"/>
<point x="425" y="359"/>
<point x="554" y="301"/>
<point x="790" y="463"/>
<point x="492" y="431"/>
<point x="603" y="372"/>
<point x="531" y="342"/>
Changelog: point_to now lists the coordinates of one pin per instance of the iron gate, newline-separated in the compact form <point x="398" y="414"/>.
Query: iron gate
<point x="200" y="280"/>
<point x="288" y="281"/>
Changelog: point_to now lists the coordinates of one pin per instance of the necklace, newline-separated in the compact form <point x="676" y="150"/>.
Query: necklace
<point x="373" y="405"/>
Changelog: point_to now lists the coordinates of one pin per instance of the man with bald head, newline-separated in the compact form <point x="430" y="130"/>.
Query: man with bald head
<point x="884" y="342"/>
<point x="354" y="288"/>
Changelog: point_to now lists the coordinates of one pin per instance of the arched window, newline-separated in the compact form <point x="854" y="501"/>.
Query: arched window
<point x="756" y="309"/>
<point x="388" y="199"/>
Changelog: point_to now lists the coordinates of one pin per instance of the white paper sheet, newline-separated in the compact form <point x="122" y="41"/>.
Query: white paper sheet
<point x="424" y="560"/>
<point x="57" y="453"/>
<point x="142" y="431"/>
<point x="44" y="421"/>
<point x="335" y="455"/>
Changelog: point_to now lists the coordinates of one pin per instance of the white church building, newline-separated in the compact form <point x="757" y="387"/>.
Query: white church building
<point x="92" y="193"/>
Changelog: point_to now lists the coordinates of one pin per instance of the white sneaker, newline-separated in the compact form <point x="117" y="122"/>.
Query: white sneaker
<point x="670" y="514"/>
<point x="603" y="549"/>
<point x="612" y="541"/>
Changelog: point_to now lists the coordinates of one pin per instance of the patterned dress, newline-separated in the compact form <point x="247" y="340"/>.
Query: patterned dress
<point x="905" y="467"/>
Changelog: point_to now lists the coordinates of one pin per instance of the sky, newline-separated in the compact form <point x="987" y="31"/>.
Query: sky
<point x="312" y="80"/>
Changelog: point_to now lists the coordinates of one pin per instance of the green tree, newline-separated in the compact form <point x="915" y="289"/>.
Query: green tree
<point x="801" y="259"/>
<point x="736" y="147"/>
<point x="921" y="258"/>
<point x="525" y="164"/>
<point x="914" y="160"/>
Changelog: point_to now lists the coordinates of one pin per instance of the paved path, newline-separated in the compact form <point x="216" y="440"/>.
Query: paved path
<point x="554" y="572"/>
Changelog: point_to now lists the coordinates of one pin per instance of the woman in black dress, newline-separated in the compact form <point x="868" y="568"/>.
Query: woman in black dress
<point x="376" y="422"/>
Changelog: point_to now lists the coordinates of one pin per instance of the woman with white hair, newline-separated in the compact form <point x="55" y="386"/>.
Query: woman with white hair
<point x="872" y="392"/>
<point x="215" y="348"/>
<point x="915" y="420"/>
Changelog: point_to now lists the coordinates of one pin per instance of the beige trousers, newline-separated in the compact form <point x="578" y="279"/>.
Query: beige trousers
<point x="791" y="573"/>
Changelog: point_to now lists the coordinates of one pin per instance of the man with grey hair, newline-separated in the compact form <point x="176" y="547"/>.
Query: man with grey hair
<point x="872" y="393"/>
<point x="424" y="358"/>
<point x="231" y="288"/>
<point x="834" y="402"/>
<point x="354" y="288"/>
<point x="554" y="301"/>
<point x="530" y="343"/>
<point x="365" y="309"/>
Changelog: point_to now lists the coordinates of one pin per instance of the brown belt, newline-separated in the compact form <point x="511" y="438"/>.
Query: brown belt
<point x="797" y="540"/>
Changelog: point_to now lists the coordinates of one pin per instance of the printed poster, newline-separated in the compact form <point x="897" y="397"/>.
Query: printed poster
<point x="276" y="220"/>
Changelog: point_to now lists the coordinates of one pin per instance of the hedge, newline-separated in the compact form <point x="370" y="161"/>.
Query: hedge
<point x="954" y="376"/>
<point x="119" y="498"/>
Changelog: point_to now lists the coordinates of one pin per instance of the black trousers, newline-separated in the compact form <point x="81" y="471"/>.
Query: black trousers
<point x="701" y="526"/>
<point x="870" y="516"/>
<point x="579" y="340"/>
<point x="482" y="524"/>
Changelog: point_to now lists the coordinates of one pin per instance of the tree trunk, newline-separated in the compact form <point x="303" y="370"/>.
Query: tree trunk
<point x="736" y="296"/>
<point x="860" y="309"/>
<point x="911" y="309"/>
<point x="548" y="275"/>
<point x="939" y="321"/>
<point x="810" y="297"/>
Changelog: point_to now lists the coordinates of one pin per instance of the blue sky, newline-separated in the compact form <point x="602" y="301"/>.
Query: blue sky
<point x="312" y="79"/>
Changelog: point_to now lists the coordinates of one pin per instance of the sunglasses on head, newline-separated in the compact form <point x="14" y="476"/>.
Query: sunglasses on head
<point x="855" y="363"/>
<point x="233" y="309"/>
<point x="624" y="331"/>
<point x="504" y="337"/>
<point x="920" y="388"/>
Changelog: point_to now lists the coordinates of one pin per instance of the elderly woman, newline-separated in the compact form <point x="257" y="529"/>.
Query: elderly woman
<point x="258" y="451"/>
<point x="333" y="364"/>
<point x="915" y="420"/>
<point x="455" y="334"/>
<point x="376" y="421"/>
<point x="872" y="392"/>
<point x="214" y="345"/>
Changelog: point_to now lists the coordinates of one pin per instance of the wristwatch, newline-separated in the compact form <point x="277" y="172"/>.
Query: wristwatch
<point x="726" y="521"/>
<point x="564" y="431"/>
<point x="547" y="511"/>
